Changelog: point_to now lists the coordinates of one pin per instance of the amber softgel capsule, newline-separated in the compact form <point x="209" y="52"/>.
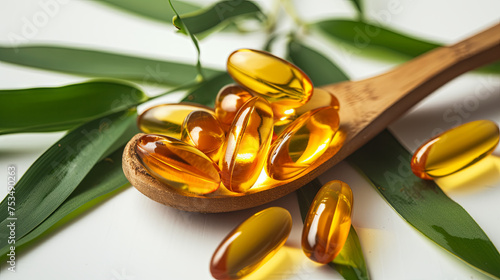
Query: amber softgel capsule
<point x="320" y="98"/>
<point x="271" y="77"/>
<point x="455" y="149"/>
<point x="227" y="103"/>
<point x="302" y="143"/>
<point x="177" y="164"/>
<point x="251" y="244"/>
<point x="247" y="145"/>
<point x="166" y="119"/>
<point x="328" y="222"/>
<point x="202" y="130"/>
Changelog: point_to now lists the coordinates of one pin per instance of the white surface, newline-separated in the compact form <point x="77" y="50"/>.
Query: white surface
<point x="132" y="237"/>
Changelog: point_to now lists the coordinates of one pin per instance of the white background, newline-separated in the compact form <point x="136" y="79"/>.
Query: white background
<point x="132" y="237"/>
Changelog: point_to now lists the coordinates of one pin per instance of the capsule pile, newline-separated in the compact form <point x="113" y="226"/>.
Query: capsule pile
<point x="273" y="119"/>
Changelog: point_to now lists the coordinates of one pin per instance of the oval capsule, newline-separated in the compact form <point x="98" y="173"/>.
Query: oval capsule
<point x="166" y="119"/>
<point x="247" y="145"/>
<point x="251" y="244"/>
<point x="319" y="98"/>
<point x="328" y="222"/>
<point x="273" y="78"/>
<point x="227" y="103"/>
<point x="202" y="130"/>
<point x="177" y="164"/>
<point x="302" y="143"/>
<point x="455" y="149"/>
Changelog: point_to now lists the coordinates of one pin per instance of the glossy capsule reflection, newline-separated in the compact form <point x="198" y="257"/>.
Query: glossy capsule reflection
<point x="177" y="164"/>
<point x="202" y="130"/>
<point x="302" y="143"/>
<point x="273" y="78"/>
<point x="320" y="98"/>
<point x="227" y="103"/>
<point x="455" y="149"/>
<point x="166" y="119"/>
<point x="247" y="145"/>
<point x="328" y="222"/>
<point x="251" y="244"/>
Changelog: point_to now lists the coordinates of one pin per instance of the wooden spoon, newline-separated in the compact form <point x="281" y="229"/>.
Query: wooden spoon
<point x="367" y="107"/>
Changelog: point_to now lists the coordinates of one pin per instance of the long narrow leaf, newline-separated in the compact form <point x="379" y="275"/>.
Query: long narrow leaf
<point x="362" y="35"/>
<point x="56" y="174"/>
<point x="105" y="179"/>
<point x="319" y="68"/>
<point x="421" y="203"/>
<point x="62" y="108"/>
<point x="350" y="262"/>
<point x="219" y="15"/>
<point x="152" y="9"/>
<point x="102" y="64"/>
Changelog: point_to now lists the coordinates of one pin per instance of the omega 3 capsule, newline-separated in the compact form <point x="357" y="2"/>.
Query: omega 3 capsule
<point x="177" y="164"/>
<point x="247" y="145"/>
<point x="251" y="244"/>
<point x="302" y="143"/>
<point x="275" y="79"/>
<point x="328" y="222"/>
<point x="227" y="103"/>
<point x="455" y="149"/>
<point x="166" y="119"/>
<point x="202" y="130"/>
<point x="319" y="98"/>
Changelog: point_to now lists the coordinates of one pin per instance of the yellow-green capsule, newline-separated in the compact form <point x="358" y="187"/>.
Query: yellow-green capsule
<point x="247" y="143"/>
<point x="202" y="130"/>
<point x="178" y="164"/>
<point x="251" y="244"/>
<point x="328" y="222"/>
<point x="273" y="78"/>
<point x="303" y="142"/>
<point x="167" y="119"/>
<point x="455" y="149"/>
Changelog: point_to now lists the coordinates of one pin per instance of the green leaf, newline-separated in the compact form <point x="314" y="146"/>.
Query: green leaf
<point x="56" y="173"/>
<point x="362" y="35"/>
<point x="350" y="262"/>
<point x="206" y="91"/>
<point x="102" y="64"/>
<point x="179" y="24"/>
<point x="105" y="179"/>
<point x="218" y="16"/>
<point x="62" y="108"/>
<point x="320" y="69"/>
<point x="386" y="164"/>
<point x="152" y="9"/>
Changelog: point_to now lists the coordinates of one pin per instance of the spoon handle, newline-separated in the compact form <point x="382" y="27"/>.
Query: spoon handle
<point x="421" y="76"/>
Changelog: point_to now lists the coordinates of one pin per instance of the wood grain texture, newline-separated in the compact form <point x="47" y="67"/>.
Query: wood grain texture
<point x="366" y="108"/>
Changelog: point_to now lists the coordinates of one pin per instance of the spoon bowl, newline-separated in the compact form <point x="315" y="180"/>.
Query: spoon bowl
<point x="366" y="108"/>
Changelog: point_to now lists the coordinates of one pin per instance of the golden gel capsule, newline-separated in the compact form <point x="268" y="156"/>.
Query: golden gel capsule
<point x="319" y="98"/>
<point x="166" y="119"/>
<point x="202" y="130"/>
<point x="328" y="222"/>
<point x="455" y="149"/>
<point x="178" y="164"/>
<point x="247" y="145"/>
<point x="302" y="143"/>
<point x="251" y="244"/>
<point x="227" y="103"/>
<point x="277" y="80"/>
